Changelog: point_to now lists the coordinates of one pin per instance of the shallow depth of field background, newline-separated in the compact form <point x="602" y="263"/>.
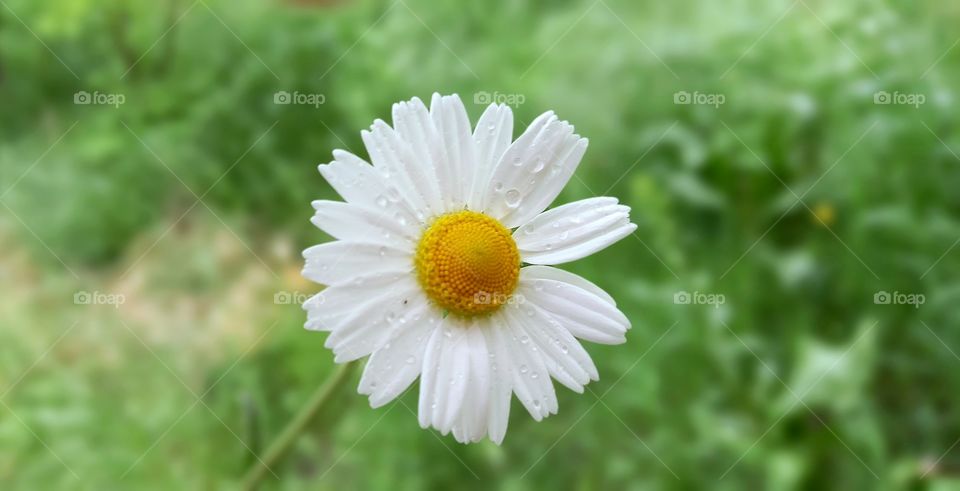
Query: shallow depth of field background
<point x="149" y="252"/>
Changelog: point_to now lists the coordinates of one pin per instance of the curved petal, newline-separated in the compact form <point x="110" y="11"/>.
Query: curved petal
<point x="532" y="170"/>
<point x="358" y="183"/>
<point x="501" y="385"/>
<point x="550" y="183"/>
<point x="429" y="401"/>
<point x="327" y="309"/>
<point x="445" y="378"/>
<point x="341" y="260"/>
<point x="413" y="123"/>
<point x="550" y="273"/>
<point x="368" y="326"/>
<point x="393" y="367"/>
<point x="344" y="221"/>
<point x="493" y="134"/>
<point x="453" y="125"/>
<point x="573" y="231"/>
<point x="531" y="381"/>
<point x="585" y="315"/>
<point x="470" y="425"/>
<point x="565" y="358"/>
<point x="394" y="159"/>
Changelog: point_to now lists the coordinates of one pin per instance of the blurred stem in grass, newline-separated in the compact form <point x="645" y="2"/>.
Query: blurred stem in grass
<point x="297" y="426"/>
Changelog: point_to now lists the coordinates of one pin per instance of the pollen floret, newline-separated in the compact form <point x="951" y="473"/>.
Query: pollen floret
<point x="467" y="263"/>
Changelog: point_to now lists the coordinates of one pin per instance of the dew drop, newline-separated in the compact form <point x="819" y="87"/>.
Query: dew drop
<point x="411" y="360"/>
<point x="393" y="194"/>
<point x="382" y="201"/>
<point x="512" y="198"/>
<point x="534" y="375"/>
<point x="523" y="369"/>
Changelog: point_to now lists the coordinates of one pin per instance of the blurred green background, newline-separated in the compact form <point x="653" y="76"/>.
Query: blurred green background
<point x="787" y="163"/>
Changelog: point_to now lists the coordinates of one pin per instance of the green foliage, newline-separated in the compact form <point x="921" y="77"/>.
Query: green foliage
<point x="798" y="381"/>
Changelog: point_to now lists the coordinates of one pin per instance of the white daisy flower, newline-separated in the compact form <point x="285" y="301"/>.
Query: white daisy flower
<point x="440" y="267"/>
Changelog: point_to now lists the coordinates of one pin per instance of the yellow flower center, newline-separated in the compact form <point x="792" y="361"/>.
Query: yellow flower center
<point x="467" y="263"/>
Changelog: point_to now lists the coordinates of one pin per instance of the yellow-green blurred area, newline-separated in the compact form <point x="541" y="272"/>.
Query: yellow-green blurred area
<point x="792" y="167"/>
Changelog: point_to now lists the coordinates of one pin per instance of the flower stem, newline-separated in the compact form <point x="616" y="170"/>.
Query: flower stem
<point x="296" y="427"/>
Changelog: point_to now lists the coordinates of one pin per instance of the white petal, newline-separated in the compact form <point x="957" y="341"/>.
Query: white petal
<point x="573" y="231"/>
<point x="493" y="134"/>
<point x="470" y="425"/>
<point x="565" y="358"/>
<point x="393" y="367"/>
<point x="531" y="381"/>
<point x="360" y="184"/>
<point x="501" y="384"/>
<point x="329" y="307"/>
<point x="557" y="274"/>
<point x="372" y="322"/>
<point x="585" y="315"/>
<point x="445" y="383"/>
<point x="395" y="160"/>
<point x="453" y="378"/>
<point x="549" y="183"/>
<point x="429" y="402"/>
<point x="340" y="260"/>
<point x="344" y="221"/>
<point x="533" y="170"/>
<point x="450" y="118"/>
<point x="413" y="123"/>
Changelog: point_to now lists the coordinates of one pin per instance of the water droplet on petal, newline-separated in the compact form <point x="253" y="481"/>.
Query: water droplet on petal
<point x="393" y="194"/>
<point x="382" y="201"/>
<point x="523" y="369"/>
<point x="539" y="165"/>
<point x="512" y="198"/>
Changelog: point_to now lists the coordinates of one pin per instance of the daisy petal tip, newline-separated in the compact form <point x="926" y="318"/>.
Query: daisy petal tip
<point x="377" y="402"/>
